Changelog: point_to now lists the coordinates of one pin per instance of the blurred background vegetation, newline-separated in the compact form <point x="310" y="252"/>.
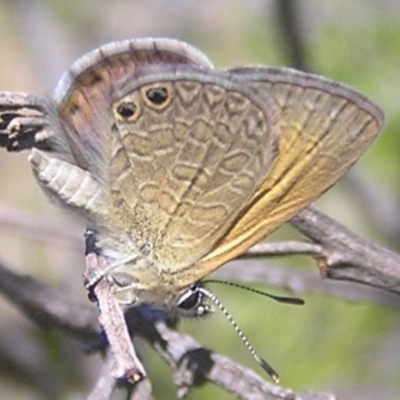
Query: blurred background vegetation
<point x="346" y="347"/>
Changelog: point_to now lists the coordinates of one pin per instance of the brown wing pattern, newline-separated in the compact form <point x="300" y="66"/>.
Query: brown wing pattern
<point x="181" y="175"/>
<point x="324" y="129"/>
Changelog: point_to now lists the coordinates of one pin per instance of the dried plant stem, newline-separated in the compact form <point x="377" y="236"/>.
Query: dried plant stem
<point x="127" y="365"/>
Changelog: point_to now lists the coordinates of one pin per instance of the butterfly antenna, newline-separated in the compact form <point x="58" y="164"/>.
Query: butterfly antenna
<point x="264" y="365"/>
<point x="282" y="299"/>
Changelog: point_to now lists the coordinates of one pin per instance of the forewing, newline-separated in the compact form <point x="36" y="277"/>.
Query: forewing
<point x="324" y="129"/>
<point x="83" y="95"/>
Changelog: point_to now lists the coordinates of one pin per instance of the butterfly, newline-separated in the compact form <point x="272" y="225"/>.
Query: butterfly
<point x="179" y="167"/>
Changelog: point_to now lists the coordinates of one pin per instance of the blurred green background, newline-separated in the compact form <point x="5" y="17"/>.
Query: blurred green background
<point x="332" y="344"/>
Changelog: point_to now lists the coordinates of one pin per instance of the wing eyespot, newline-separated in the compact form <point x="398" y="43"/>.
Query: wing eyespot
<point x="127" y="111"/>
<point x="157" y="96"/>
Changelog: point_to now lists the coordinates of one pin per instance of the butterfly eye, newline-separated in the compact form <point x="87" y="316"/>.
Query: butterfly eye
<point x="157" y="96"/>
<point x="190" y="299"/>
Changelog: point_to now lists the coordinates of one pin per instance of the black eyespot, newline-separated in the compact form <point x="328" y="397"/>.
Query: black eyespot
<point x="126" y="110"/>
<point x="190" y="300"/>
<point x="157" y="96"/>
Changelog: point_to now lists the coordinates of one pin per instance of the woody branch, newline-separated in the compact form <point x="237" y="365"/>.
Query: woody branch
<point x="340" y="254"/>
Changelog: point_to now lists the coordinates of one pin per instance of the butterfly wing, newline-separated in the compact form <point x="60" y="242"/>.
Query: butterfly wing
<point x="83" y="95"/>
<point x="180" y="171"/>
<point x="324" y="129"/>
